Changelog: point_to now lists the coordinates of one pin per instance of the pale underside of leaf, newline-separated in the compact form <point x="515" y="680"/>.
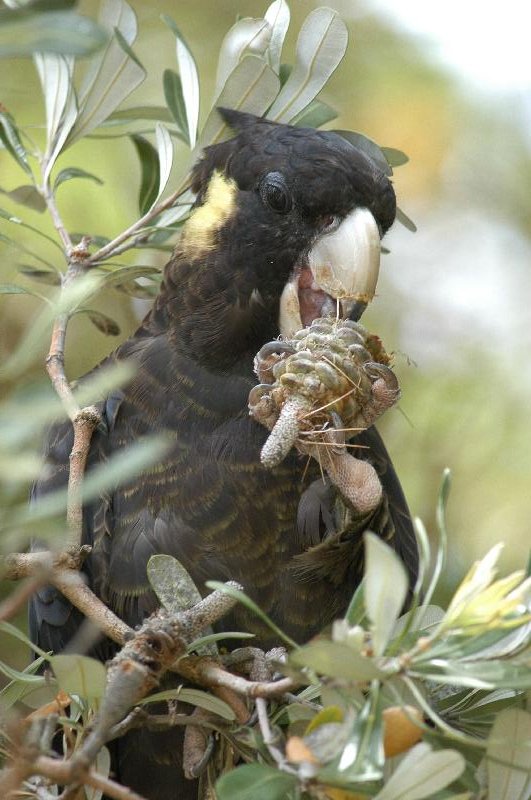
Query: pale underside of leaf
<point x="321" y="45"/>
<point x="251" y="86"/>
<point x="278" y="16"/>
<point x="386" y="586"/>
<point x="247" y="36"/>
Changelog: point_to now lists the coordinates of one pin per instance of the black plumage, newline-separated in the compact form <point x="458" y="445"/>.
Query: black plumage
<point x="209" y="502"/>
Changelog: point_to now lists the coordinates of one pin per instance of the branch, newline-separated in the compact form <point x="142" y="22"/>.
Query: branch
<point x="111" y="248"/>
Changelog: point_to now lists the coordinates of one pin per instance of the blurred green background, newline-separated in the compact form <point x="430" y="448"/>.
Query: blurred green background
<point x="453" y="298"/>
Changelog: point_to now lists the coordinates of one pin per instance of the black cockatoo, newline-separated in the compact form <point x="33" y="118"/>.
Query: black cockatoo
<point x="240" y="275"/>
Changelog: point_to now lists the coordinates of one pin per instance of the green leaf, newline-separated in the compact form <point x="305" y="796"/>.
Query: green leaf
<point x="405" y="220"/>
<point x="80" y="675"/>
<point x="247" y="37"/>
<point x="212" y="638"/>
<point x="252" y="86"/>
<point x="165" y="154"/>
<point x="321" y="45"/>
<point x="55" y="74"/>
<point x="278" y="16"/>
<point x="102" y="322"/>
<point x="12" y="630"/>
<point x="74" y="172"/>
<point x="27" y="196"/>
<point x="422" y="773"/>
<point x="195" y="697"/>
<point x="172" y="584"/>
<point x="113" y="75"/>
<point x="509" y="756"/>
<point x="22" y="677"/>
<point x="362" y="757"/>
<point x="367" y="146"/>
<point x="493" y="674"/>
<point x="336" y="660"/>
<point x="314" y="115"/>
<point x="16" y="691"/>
<point x="356" y="608"/>
<point x="189" y="81"/>
<point x="117" y="276"/>
<point x="255" y="782"/>
<point x="23" y="32"/>
<point x="395" y="158"/>
<point x="10" y="138"/>
<point x="150" y="172"/>
<point x="251" y="605"/>
<point x="173" y="94"/>
<point x="12" y="288"/>
<point x="141" y="112"/>
<point x="386" y="586"/>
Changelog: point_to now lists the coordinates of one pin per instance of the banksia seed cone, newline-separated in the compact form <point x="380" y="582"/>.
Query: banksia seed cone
<point x="331" y="375"/>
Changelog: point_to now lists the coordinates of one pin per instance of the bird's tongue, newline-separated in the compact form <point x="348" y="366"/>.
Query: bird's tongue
<point x="313" y="301"/>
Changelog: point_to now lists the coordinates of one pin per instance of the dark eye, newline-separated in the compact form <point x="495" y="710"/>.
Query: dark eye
<point x="275" y="193"/>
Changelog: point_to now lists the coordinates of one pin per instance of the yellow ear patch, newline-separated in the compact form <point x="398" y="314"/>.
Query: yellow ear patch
<point x="199" y="232"/>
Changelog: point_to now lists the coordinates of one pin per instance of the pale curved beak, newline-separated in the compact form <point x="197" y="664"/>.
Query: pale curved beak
<point x="345" y="264"/>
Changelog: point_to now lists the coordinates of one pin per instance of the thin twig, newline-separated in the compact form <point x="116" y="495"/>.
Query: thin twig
<point x="109" y="249"/>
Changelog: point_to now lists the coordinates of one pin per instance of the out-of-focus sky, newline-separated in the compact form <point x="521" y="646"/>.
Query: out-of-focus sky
<point x="486" y="44"/>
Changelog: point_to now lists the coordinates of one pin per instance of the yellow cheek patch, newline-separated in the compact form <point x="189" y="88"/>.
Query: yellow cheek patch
<point x="199" y="232"/>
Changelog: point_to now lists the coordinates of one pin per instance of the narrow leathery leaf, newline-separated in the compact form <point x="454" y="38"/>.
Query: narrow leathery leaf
<point x="252" y="86"/>
<point x="12" y="630"/>
<point x="395" y="158"/>
<point x="246" y="37"/>
<point x="12" y="288"/>
<point x="492" y="674"/>
<point x="55" y="74"/>
<point x="27" y="196"/>
<point x="195" y="697"/>
<point x="173" y="215"/>
<point x="173" y="94"/>
<point x="165" y="153"/>
<point x="509" y="756"/>
<point x="278" y="16"/>
<point x="47" y="276"/>
<point x="424" y="618"/>
<point x="128" y="273"/>
<point x="356" y="609"/>
<point x="326" y="715"/>
<point x="16" y="675"/>
<point x="336" y="660"/>
<point x="61" y="32"/>
<point x="440" y="560"/>
<point x="68" y="120"/>
<point x="102" y="322"/>
<point x="386" y="585"/>
<point x="251" y="605"/>
<point x="189" y="80"/>
<point x="80" y="675"/>
<point x="113" y="76"/>
<point x="367" y="146"/>
<point x="159" y="113"/>
<point x="104" y="380"/>
<point x="363" y="756"/>
<point x="150" y="172"/>
<point x="314" y="115"/>
<point x="75" y="172"/>
<point x="172" y="584"/>
<point x="10" y="138"/>
<point x="102" y="766"/>
<point x="212" y="638"/>
<point x="422" y="773"/>
<point x="113" y="14"/>
<point x="255" y="782"/>
<point x="405" y="220"/>
<point x="321" y="45"/>
<point x="15" y="690"/>
<point x="138" y="290"/>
